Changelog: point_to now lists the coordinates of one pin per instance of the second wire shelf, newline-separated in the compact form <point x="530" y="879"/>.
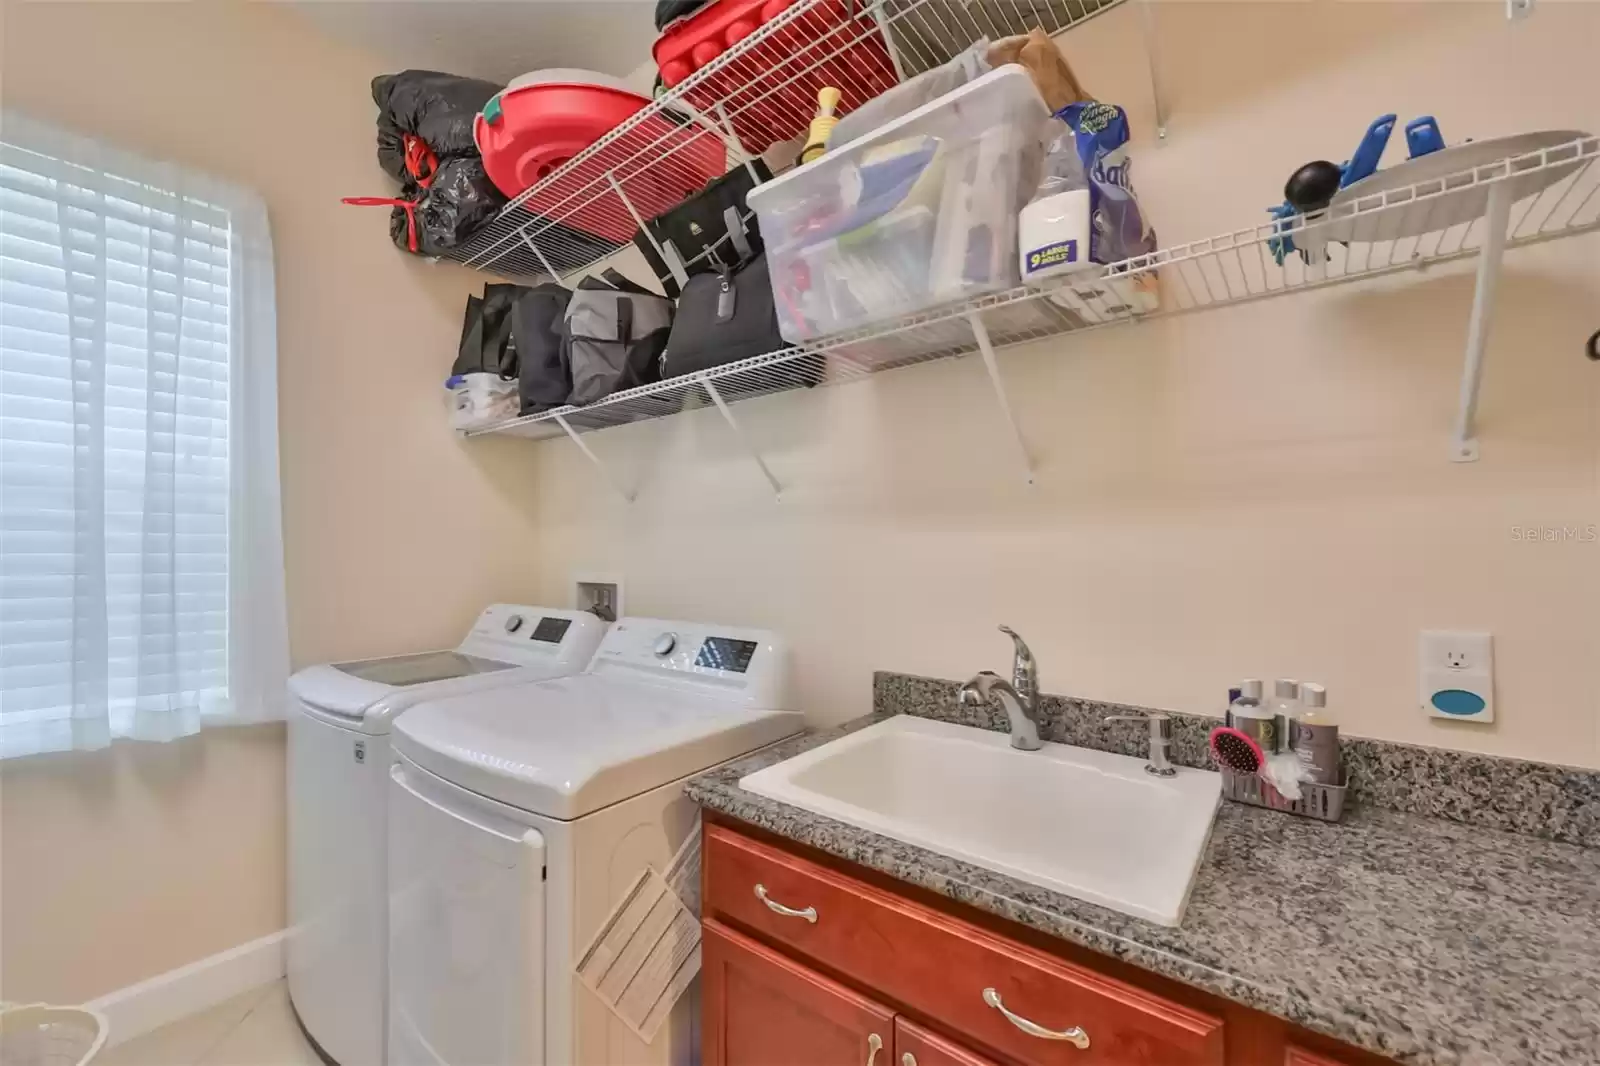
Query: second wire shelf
<point x="1221" y="271"/>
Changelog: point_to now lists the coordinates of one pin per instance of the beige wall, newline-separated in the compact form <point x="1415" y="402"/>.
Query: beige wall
<point x="1257" y="491"/>
<point x="119" y="866"/>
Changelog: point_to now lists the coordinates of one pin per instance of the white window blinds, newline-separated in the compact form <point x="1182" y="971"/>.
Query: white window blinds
<point x="125" y="307"/>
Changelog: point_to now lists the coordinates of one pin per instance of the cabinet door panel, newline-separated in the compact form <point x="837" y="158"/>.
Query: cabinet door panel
<point x="916" y="1046"/>
<point x="1298" y="1056"/>
<point x="762" y="1009"/>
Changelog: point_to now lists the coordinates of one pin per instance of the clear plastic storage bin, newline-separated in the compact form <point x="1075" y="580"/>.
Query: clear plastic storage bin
<point x="920" y="211"/>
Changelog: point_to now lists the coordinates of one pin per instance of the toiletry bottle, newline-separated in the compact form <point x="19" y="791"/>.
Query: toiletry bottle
<point x="1314" y="736"/>
<point x="1284" y="707"/>
<point x="1253" y="719"/>
<point x="1233" y="697"/>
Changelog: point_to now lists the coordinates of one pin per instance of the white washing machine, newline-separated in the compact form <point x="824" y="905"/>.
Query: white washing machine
<point x="338" y="791"/>
<point x="518" y="818"/>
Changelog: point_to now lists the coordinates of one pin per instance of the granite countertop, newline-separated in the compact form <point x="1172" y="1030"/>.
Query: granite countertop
<point x="1428" y="941"/>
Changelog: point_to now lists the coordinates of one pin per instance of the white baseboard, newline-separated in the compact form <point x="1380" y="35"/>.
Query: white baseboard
<point x="164" y="998"/>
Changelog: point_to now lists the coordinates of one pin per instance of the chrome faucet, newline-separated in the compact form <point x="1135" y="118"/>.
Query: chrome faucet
<point x="1160" y="740"/>
<point x="1019" y="697"/>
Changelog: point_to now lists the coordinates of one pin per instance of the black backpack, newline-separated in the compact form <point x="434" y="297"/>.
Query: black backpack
<point x="536" y="327"/>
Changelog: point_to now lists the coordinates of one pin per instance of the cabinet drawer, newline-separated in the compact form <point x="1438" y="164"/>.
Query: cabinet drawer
<point x="941" y="967"/>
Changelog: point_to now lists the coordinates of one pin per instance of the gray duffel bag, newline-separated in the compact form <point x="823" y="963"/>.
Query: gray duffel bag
<point x="613" y="336"/>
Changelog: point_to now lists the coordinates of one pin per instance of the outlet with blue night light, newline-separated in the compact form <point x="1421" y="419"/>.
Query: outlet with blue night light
<point x="1457" y="671"/>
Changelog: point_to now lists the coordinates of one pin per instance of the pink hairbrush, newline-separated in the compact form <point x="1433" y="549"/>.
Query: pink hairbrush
<point x="1233" y="750"/>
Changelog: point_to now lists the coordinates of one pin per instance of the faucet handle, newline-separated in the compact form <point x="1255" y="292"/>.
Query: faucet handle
<point x="1160" y="724"/>
<point x="1159" y="721"/>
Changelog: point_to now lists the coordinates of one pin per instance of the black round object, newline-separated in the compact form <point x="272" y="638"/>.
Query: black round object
<point x="1594" y="346"/>
<point x="1313" y="185"/>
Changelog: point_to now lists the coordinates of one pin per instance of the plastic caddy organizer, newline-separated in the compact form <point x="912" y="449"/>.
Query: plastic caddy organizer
<point x="919" y="212"/>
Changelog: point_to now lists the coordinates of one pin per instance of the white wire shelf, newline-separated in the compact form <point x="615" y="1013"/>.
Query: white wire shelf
<point x="1223" y="271"/>
<point x="761" y="92"/>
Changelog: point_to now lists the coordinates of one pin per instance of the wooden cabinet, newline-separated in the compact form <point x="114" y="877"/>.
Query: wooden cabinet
<point x="995" y="992"/>
<point x="761" y="1009"/>
<point x="916" y="1046"/>
<point x="808" y="964"/>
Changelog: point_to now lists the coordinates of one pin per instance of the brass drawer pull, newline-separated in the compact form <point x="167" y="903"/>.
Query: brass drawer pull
<point x="874" y="1045"/>
<point x="809" y="914"/>
<point x="1074" y="1036"/>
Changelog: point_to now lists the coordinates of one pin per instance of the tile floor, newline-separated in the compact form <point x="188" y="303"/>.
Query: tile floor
<point x="255" y="1029"/>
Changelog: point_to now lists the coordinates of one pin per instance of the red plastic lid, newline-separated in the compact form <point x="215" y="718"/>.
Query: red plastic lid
<point x="540" y="127"/>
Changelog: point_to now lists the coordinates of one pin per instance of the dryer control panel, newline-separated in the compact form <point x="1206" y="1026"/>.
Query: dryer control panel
<point x="752" y="663"/>
<point x="526" y="635"/>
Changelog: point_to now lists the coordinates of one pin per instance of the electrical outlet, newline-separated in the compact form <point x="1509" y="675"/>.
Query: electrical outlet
<point x="1457" y="675"/>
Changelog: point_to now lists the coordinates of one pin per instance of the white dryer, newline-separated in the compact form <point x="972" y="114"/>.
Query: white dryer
<point x="338" y="789"/>
<point x="519" y="816"/>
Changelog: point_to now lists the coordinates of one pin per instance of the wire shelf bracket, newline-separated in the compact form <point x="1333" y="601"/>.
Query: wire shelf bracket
<point x="1497" y="218"/>
<point x="1147" y="21"/>
<point x="733" y="424"/>
<point x="588" y="453"/>
<point x="980" y="333"/>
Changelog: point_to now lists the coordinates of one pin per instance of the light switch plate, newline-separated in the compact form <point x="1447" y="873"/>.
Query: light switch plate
<point x="1457" y="675"/>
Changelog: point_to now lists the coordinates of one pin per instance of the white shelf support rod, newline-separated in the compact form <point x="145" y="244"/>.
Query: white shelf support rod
<point x="548" y="269"/>
<point x="680" y="275"/>
<point x="1147" y="20"/>
<point x="595" y="459"/>
<point x="981" y="333"/>
<point x="887" y="30"/>
<point x="730" y="135"/>
<point x="1464" y="449"/>
<point x="733" y="424"/>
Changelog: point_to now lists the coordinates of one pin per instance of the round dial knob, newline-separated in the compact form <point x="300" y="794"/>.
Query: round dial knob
<point x="665" y="643"/>
<point x="513" y="623"/>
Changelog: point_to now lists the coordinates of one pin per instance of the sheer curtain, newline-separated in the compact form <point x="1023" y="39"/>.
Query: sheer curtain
<point x="141" y="556"/>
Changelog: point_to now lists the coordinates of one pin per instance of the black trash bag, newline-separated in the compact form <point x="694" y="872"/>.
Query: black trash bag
<point x="671" y="10"/>
<point x="460" y="201"/>
<point x="446" y="214"/>
<point x="439" y="108"/>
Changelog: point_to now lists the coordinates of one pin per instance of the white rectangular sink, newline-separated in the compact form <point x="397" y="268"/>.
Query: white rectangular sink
<point x="1085" y="823"/>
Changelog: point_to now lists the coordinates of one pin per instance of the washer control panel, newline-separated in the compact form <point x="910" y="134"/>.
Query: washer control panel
<point x="751" y="660"/>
